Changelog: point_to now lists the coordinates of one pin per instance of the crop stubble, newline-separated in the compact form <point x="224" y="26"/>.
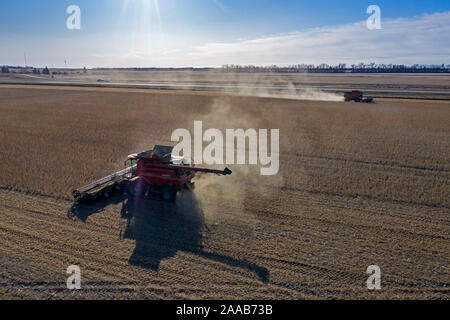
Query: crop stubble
<point x="358" y="185"/>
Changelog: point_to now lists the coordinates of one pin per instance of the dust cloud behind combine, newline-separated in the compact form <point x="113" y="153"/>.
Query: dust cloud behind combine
<point x="300" y="94"/>
<point x="281" y="88"/>
<point x="266" y="85"/>
<point x="213" y="192"/>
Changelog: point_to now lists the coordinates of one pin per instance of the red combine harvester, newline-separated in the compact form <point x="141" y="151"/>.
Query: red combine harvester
<point x="357" y="96"/>
<point x="152" y="172"/>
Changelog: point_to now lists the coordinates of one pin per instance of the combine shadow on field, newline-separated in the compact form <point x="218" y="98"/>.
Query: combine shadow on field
<point x="162" y="229"/>
<point x="82" y="211"/>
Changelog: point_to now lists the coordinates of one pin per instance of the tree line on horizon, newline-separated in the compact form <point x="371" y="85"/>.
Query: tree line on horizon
<point x="298" y="68"/>
<point x="339" y="68"/>
<point x="19" y="69"/>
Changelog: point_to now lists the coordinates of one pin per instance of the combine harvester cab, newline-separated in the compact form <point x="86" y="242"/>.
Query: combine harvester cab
<point x="150" y="172"/>
<point x="357" y="96"/>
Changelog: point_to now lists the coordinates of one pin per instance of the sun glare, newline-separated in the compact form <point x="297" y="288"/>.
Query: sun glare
<point x="143" y="19"/>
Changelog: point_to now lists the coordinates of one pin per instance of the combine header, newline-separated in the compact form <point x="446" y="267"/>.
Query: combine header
<point x="154" y="171"/>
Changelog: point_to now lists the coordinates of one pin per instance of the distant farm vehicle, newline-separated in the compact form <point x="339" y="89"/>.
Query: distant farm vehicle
<point x="152" y="172"/>
<point x="357" y="96"/>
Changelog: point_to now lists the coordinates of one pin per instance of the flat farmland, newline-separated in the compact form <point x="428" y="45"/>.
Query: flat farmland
<point x="359" y="185"/>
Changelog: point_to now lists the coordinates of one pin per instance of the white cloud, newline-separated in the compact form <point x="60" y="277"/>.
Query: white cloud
<point x="421" y="39"/>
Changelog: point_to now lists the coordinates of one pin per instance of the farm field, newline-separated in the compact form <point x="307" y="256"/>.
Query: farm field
<point x="384" y="85"/>
<point x="359" y="184"/>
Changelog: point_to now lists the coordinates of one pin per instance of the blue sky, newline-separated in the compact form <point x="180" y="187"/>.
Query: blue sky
<point x="127" y="33"/>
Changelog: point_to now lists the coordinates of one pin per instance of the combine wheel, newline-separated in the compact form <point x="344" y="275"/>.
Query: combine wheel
<point x="138" y="188"/>
<point x="169" y="193"/>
